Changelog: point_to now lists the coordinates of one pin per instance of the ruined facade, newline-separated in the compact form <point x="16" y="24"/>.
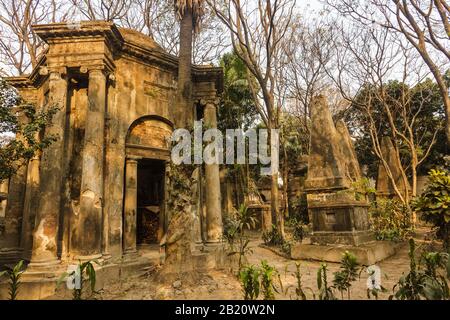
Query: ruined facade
<point x="99" y="190"/>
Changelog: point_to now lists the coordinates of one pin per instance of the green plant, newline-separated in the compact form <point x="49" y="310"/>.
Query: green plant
<point x="298" y="276"/>
<point x="325" y="291"/>
<point x="298" y="232"/>
<point x="348" y="273"/>
<point x="433" y="204"/>
<point x="85" y="272"/>
<point x="14" y="274"/>
<point x="363" y="188"/>
<point x="425" y="282"/>
<point x="390" y="220"/>
<point x="299" y="209"/>
<point x="249" y="278"/>
<point x="267" y="286"/>
<point x="272" y="237"/>
<point x="234" y="231"/>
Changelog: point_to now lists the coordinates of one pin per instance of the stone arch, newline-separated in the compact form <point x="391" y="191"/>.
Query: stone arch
<point x="147" y="154"/>
<point x="150" y="131"/>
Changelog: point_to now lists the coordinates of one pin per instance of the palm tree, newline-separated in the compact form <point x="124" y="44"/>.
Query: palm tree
<point x="190" y="13"/>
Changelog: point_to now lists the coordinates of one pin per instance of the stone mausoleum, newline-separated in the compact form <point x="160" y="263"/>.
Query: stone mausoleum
<point x="99" y="191"/>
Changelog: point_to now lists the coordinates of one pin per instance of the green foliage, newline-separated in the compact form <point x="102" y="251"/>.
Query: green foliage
<point x="87" y="274"/>
<point x="396" y="94"/>
<point x="234" y="232"/>
<point x="272" y="237"/>
<point x="299" y="209"/>
<point x="390" y="220"/>
<point x="363" y="188"/>
<point x="20" y="128"/>
<point x="348" y="273"/>
<point x="433" y="205"/>
<point x="237" y="107"/>
<point x="298" y="229"/>
<point x="325" y="290"/>
<point x="267" y="273"/>
<point x="14" y="274"/>
<point x="249" y="277"/>
<point x="298" y="276"/>
<point x="255" y="280"/>
<point x="424" y="281"/>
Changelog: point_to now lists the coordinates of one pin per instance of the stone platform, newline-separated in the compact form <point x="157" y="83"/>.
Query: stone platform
<point x="36" y="285"/>
<point x="366" y="254"/>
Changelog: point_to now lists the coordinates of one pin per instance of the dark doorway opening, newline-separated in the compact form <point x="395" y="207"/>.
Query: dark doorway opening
<point x="150" y="199"/>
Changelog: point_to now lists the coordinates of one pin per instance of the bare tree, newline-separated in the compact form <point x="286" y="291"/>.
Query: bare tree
<point x="308" y="48"/>
<point x="19" y="46"/>
<point x="366" y="61"/>
<point x="109" y="10"/>
<point x="425" y="24"/>
<point x="257" y="31"/>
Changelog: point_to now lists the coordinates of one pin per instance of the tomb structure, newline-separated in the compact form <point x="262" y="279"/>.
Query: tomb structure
<point x="385" y="187"/>
<point x="339" y="215"/>
<point x="99" y="191"/>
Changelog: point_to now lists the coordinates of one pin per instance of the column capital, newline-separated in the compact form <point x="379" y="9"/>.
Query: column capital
<point x="55" y="73"/>
<point x="133" y="158"/>
<point x="210" y="101"/>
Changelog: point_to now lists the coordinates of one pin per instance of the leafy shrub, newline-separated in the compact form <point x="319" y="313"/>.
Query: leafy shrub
<point x="325" y="291"/>
<point x="249" y="277"/>
<point x="424" y="280"/>
<point x="234" y="232"/>
<point x="14" y="274"/>
<point x="433" y="204"/>
<point x="267" y="273"/>
<point x="299" y="229"/>
<point x="299" y="209"/>
<point x="390" y="220"/>
<point x="272" y="237"/>
<point x="347" y="274"/>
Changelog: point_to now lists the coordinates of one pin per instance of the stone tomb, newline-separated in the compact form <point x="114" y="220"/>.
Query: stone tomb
<point x="339" y="216"/>
<point x="99" y="191"/>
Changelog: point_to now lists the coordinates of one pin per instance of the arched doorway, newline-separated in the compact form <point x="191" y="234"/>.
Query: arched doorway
<point x="147" y="153"/>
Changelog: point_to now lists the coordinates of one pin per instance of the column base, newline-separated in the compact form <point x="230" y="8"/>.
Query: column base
<point x="47" y="268"/>
<point x="130" y="255"/>
<point x="85" y="258"/>
<point x="10" y="255"/>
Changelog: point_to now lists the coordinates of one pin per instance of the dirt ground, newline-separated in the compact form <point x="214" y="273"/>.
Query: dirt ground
<point x="224" y="285"/>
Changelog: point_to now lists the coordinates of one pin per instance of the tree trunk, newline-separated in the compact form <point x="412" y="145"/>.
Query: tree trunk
<point x="183" y="118"/>
<point x="275" y="204"/>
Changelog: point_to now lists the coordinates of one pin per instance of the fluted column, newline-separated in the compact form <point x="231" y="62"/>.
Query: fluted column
<point x="44" y="252"/>
<point x="86" y="242"/>
<point x="214" y="227"/>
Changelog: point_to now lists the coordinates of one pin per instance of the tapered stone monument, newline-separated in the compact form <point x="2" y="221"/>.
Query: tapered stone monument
<point x="339" y="215"/>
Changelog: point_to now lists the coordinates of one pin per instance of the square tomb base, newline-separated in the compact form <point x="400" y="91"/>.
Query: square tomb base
<point x="366" y="254"/>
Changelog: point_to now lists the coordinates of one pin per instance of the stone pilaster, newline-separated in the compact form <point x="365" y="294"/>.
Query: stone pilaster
<point x="214" y="226"/>
<point x="10" y="250"/>
<point x="130" y="206"/>
<point x="45" y="252"/>
<point x="86" y="242"/>
<point x="30" y="208"/>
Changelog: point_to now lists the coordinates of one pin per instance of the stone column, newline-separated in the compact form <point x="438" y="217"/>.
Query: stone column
<point x="10" y="250"/>
<point x="214" y="227"/>
<point x="30" y="208"/>
<point x="44" y="252"/>
<point x="130" y="206"/>
<point x="87" y="240"/>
